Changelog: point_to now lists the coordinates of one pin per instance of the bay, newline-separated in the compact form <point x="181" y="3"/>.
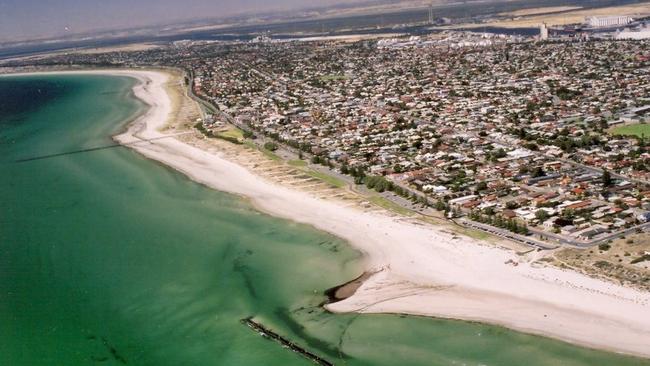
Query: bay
<point x="109" y="258"/>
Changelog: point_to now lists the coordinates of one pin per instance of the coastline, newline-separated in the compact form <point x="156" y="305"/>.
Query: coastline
<point x="420" y="270"/>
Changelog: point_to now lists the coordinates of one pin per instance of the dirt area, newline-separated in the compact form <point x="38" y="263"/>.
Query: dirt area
<point x="125" y="48"/>
<point x="568" y="17"/>
<point x="537" y="11"/>
<point x="352" y="38"/>
<point x="615" y="264"/>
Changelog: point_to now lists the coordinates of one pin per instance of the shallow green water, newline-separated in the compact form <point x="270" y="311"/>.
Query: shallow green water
<point x="108" y="258"/>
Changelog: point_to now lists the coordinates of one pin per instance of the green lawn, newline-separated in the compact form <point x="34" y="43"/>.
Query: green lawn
<point x="333" y="77"/>
<point x="233" y="132"/>
<point x="269" y="154"/>
<point x="641" y="129"/>
<point x="326" y="178"/>
<point x="390" y="205"/>
<point x="297" y="163"/>
<point x="302" y="166"/>
<point x="476" y="234"/>
<point x="472" y="233"/>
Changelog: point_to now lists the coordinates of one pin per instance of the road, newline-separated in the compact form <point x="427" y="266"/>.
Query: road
<point x="528" y="240"/>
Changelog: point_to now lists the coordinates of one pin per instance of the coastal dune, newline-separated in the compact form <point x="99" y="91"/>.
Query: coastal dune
<point x="418" y="269"/>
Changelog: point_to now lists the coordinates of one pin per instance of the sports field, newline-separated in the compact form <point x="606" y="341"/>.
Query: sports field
<point x="640" y="129"/>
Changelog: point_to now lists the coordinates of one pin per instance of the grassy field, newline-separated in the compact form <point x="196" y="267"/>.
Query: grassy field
<point x="303" y="166"/>
<point x="297" y="163"/>
<point x="326" y="178"/>
<point x="389" y="205"/>
<point x="333" y="77"/>
<point x="476" y="234"/>
<point x="233" y="132"/>
<point x="641" y="129"/>
<point x="269" y="154"/>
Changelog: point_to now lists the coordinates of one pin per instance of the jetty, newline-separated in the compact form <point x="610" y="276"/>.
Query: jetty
<point x="110" y="146"/>
<point x="271" y="335"/>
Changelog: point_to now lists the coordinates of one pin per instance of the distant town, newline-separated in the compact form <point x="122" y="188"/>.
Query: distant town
<point x="539" y="138"/>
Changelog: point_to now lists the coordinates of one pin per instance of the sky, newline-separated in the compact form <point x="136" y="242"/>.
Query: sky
<point x="29" y="19"/>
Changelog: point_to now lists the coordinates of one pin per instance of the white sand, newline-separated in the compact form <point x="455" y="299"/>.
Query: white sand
<point x="423" y="270"/>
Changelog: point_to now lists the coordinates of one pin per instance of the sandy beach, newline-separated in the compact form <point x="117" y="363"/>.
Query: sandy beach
<point x="420" y="269"/>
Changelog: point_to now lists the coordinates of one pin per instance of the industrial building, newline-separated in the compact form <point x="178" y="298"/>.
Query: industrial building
<point x="608" y="21"/>
<point x="543" y="32"/>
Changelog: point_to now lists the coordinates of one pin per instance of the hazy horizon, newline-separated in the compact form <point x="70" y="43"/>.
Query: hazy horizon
<point x="33" y="19"/>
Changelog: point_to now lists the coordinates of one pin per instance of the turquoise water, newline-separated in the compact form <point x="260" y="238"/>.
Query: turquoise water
<point x="108" y="258"/>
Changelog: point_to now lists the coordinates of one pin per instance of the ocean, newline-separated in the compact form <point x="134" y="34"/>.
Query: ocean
<point x="107" y="258"/>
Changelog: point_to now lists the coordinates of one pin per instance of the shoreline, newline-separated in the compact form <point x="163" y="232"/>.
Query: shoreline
<point x="419" y="270"/>
<point x="346" y="290"/>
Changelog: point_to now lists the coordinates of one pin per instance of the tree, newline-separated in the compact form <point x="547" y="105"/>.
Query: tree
<point x="271" y="146"/>
<point x="541" y="215"/>
<point x="532" y="146"/>
<point x="358" y="174"/>
<point x="498" y="154"/>
<point x="511" y="205"/>
<point x="515" y="227"/>
<point x="538" y="172"/>
<point x="440" y="205"/>
<point x="568" y="214"/>
<point x="607" y="178"/>
<point x="524" y="229"/>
